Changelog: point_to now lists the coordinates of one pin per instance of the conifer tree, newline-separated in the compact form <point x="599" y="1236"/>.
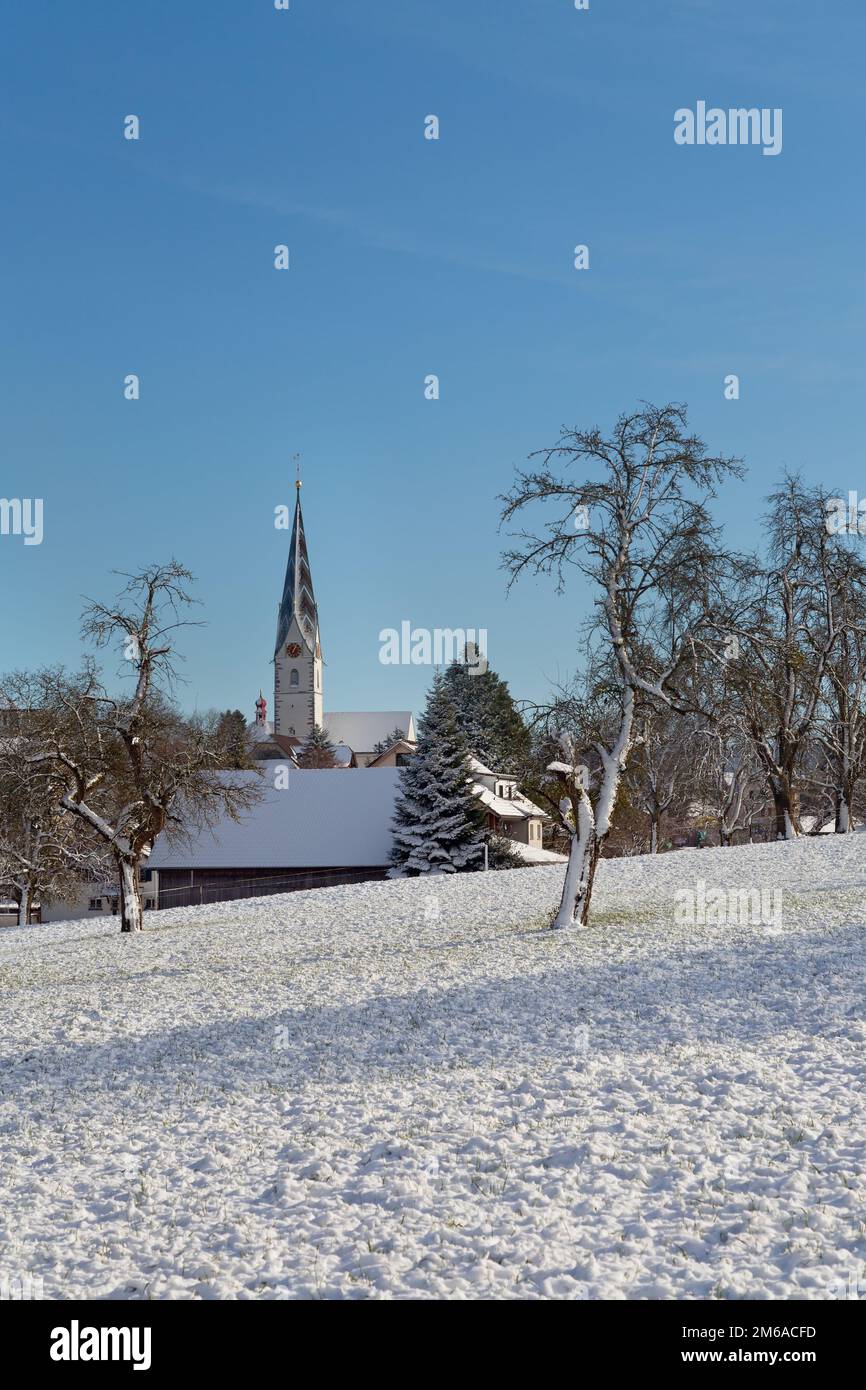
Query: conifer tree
<point x="233" y="737"/>
<point x="318" y="750"/>
<point x="488" y="717"/>
<point x="438" y="823"/>
<point x="384" y="744"/>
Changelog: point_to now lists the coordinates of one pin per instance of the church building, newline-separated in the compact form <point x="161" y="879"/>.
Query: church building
<point x="363" y="738"/>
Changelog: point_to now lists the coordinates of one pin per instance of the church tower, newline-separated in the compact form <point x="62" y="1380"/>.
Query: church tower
<point x="298" y="700"/>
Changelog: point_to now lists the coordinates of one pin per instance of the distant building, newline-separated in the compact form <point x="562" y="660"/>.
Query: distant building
<point x="299" y="678"/>
<point x="310" y="830"/>
<point x="510" y="813"/>
<point x="93" y="900"/>
<point x="364" y="732"/>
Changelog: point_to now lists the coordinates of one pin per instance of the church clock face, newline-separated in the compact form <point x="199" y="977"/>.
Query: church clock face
<point x="293" y="650"/>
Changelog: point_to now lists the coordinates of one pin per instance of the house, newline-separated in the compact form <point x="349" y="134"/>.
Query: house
<point x="312" y="829"/>
<point x="356" y="737"/>
<point x="396" y="755"/>
<point x="509" y="812"/>
<point x="363" y="732"/>
<point x="94" y="900"/>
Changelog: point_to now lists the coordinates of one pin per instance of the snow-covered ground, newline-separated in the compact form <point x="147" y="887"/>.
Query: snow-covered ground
<point x="409" y="1089"/>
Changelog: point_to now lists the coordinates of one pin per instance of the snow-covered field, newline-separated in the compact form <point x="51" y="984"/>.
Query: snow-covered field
<point x="410" y="1090"/>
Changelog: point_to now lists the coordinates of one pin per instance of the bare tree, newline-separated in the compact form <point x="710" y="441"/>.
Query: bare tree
<point x="729" y="778"/>
<point x="841" y="722"/>
<point x="645" y="541"/>
<point x="660" y="767"/>
<point x="131" y="768"/>
<point x="44" y="859"/>
<point x="784" y="622"/>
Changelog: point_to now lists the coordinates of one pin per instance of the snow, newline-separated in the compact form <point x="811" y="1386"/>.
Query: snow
<point x="516" y="807"/>
<point x="361" y="730"/>
<point x="502" y="809"/>
<point x="294" y="824"/>
<point x="534" y="854"/>
<point x="813" y="825"/>
<point x="411" y="1090"/>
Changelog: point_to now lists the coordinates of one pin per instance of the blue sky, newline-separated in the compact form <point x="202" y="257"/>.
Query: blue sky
<point x="408" y="257"/>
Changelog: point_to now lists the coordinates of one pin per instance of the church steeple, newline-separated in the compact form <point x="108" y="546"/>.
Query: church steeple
<point x="298" y="598"/>
<point x="298" y="699"/>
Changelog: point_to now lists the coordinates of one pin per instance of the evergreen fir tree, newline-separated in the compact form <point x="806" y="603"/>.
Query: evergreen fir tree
<point x="234" y="739"/>
<point x="488" y="717"/>
<point x="318" y="750"/>
<point x="385" y="743"/>
<point x="438" y="823"/>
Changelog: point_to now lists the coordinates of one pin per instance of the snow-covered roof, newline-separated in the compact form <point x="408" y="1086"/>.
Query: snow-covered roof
<point x="478" y="767"/>
<point x="361" y="730"/>
<point x="517" y="801"/>
<point x="505" y="810"/>
<point x="319" y="820"/>
<point x="518" y="807"/>
<point x="400" y="746"/>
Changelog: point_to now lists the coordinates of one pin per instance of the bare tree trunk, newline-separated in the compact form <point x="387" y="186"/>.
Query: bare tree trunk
<point x="654" y="833"/>
<point x="594" y="856"/>
<point x="576" y="890"/>
<point x="787" y="809"/>
<point x="27" y="906"/>
<point x="844" y="797"/>
<point x="131" y="913"/>
<point x="592" y="827"/>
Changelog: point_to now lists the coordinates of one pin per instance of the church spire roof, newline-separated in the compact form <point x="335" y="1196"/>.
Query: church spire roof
<point x="298" y="598"/>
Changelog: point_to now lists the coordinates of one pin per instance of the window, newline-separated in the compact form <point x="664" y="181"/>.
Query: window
<point x="294" y="677"/>
<point x="146" y="875"/>
<point x="95" y="905"/>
